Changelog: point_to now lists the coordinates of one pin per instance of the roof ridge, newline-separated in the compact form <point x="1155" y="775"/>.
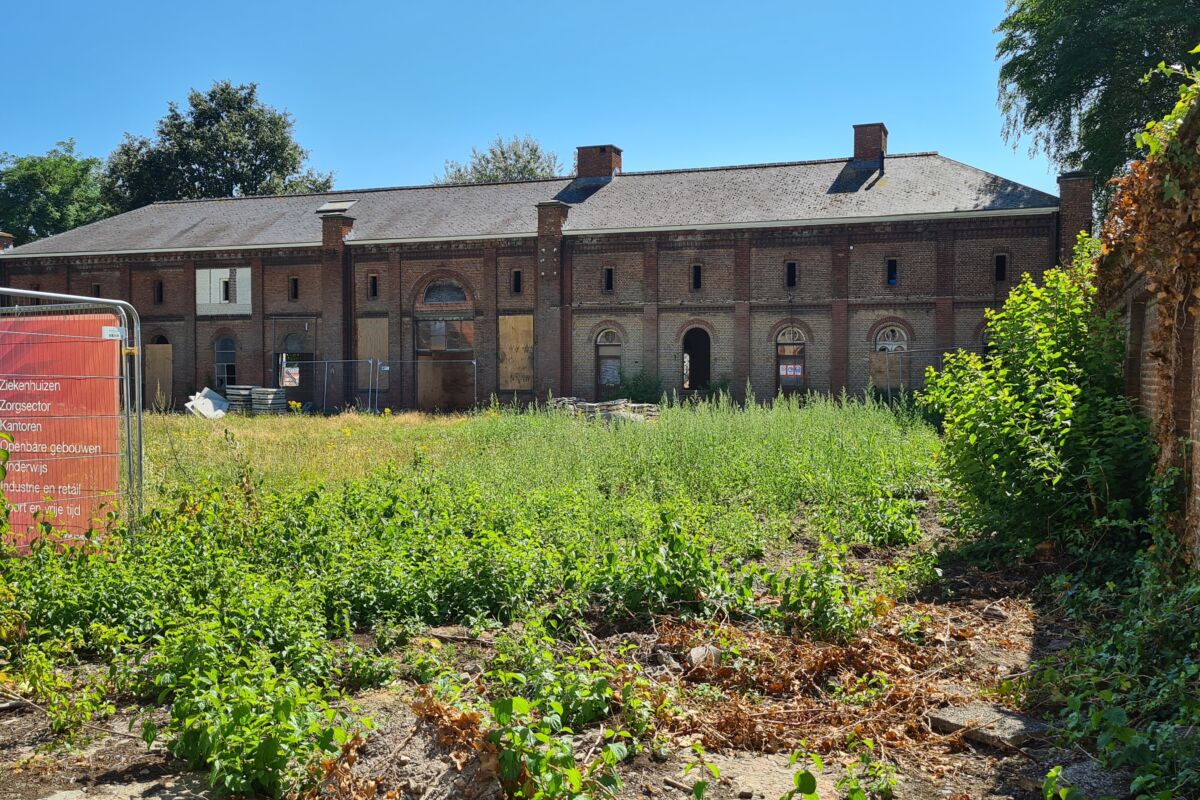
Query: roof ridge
<point x="766" y="164"/>
<point x="681" y="170"/>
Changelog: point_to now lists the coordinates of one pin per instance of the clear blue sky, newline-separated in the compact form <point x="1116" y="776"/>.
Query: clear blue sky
<point x="384" y="93"/>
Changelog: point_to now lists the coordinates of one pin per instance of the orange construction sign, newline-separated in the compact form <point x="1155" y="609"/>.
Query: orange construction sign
<point x="60" y="389"/>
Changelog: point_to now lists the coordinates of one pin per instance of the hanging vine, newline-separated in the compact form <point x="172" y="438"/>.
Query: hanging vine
<point x="1153" y="231"/>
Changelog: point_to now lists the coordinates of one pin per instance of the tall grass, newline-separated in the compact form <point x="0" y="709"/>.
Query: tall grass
<point x="248" y="568"/>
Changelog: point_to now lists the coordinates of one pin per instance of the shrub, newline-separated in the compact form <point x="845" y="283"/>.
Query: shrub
<point x="640" y="388"/>
<point x="1039" y="441"/>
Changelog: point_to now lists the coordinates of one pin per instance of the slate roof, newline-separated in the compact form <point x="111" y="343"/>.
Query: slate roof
<point x="809" y="191"/>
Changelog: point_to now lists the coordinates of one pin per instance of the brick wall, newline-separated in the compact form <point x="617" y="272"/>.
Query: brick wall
<point x="946" y="278"/>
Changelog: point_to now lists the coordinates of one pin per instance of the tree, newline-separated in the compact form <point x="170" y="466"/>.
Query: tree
<point x="227" y="143"/>
<point x="512" y="160"/>
<point x="1072" y="75"/>
<point x="44" y="195"/>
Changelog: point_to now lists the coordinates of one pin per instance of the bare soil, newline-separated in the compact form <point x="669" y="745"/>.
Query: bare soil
<point x="750" y="713"/>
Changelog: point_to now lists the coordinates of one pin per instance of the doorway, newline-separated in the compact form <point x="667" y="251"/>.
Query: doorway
<point x="697" y="359"/>
<point x="158" y="391"/>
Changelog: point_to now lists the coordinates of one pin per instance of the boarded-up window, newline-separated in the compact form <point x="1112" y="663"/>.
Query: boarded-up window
<point x="372" y="344"/>
<point x="516" y="353"/>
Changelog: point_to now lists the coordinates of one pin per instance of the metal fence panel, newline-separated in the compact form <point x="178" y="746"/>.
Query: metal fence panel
<point x="318" y="383"/>
<point x="441" y="384"/>
<point x="71" y="398"/>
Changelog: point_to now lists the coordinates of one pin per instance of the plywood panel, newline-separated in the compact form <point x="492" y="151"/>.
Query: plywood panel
<point x="889" y="371"/>
<point x="516" y="353"/>
<point x="372" y="343"/>
<point x="158" y="363"/>
<point x="445" y="382"/>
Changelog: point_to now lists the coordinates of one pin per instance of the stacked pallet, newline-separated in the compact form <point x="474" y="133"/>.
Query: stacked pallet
<point x="269" y="401"/>
<point x="607" y="410"/>
<point x="239" y="399"/>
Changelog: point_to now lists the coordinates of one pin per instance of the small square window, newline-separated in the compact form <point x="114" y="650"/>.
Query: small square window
<point x="95" y="290"/>
<point x="293" y="288"/>
<point x="697" y="277"/>
<point x="608" y="279"/>
<point x="372" y="287"/>
<point x="893" y="271"/>
<point x="159" y="294"/>
<point x="517" y="285"/>
<point x="790" y="274"/>
<point x="1001" y="264"/>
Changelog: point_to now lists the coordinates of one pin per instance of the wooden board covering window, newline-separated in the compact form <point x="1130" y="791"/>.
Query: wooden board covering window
<point x="516" y="353"/>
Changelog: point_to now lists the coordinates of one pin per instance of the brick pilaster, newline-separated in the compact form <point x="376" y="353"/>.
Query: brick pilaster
<point x="547" y="315"/>
<point x="336" y="301"/>
<point x="839" y="316"/>
<point x="943" y="307"/>
<point x="741" y="317"/>
<point x="567" y="323"/>
<point x="650" y="307"/>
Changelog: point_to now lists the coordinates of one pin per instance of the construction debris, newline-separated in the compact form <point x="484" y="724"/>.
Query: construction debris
<point x="987" y="724"/>
<point x="207" y="404"/>
<point x="607" y="410"/>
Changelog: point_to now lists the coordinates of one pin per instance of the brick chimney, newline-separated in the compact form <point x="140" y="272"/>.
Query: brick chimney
<point x="597" y="161"/>
<point x="870" y="141"/>
<point x="1074" y="210"/>
<point x="6" y="241"/>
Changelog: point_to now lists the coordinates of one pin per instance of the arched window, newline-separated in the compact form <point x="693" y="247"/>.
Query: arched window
<point x="225" y="362"/>
<point x="891" y="339"/>
<point x="789" y="360"/>
<point x="160" y="339"/>
<point x="293" y="343"/>
<point x="444" y="293"/>
<point x="608" y="362"/>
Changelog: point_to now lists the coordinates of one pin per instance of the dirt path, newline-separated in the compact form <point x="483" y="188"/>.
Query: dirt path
<point x="750" y="712"/>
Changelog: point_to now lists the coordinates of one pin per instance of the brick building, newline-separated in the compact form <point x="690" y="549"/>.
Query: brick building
<point x="815" y="274"/>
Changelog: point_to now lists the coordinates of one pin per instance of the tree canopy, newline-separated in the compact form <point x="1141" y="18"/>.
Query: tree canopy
<point x="226" y="143"/>
<point x="517" y="159"/>
<point x="1072" y="73"/>
<point x="44" y="195"/>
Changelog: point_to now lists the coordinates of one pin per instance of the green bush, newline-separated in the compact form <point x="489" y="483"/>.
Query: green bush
<point x="1039" y="441"/>
<point x="640" y="388"/>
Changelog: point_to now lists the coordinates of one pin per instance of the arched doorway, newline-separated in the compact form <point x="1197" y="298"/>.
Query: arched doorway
<point x="444" y="339"/>
<point x="608" y="363"/>
<point x="790" y="374"/>
<point x="697" y="359"/>
<point x="158" y="368"/>
<point x="890" y="359"/>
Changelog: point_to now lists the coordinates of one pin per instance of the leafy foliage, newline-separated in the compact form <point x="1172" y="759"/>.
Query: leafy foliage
<point x="1071" y="69"/>
<point x="1131" y="688"/>
<point x="1039" y="441"/>
<point x="44" y="195"/>
<point x="227" y="143"/>
<point x="515" y="159"/>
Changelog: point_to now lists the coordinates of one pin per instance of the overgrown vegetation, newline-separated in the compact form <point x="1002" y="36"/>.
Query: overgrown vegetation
<point x="1039" y="439"/>
<point x="234" y="604"/>
<point x="1040" y="446"/>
